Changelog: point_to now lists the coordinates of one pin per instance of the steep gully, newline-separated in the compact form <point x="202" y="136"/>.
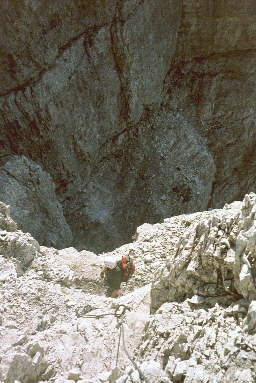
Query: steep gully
<point x="108" y="179"/>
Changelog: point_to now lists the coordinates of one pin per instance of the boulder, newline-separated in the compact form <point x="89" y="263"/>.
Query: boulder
<point x="30" y="193"/>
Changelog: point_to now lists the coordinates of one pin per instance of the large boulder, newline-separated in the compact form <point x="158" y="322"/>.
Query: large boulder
<point x="21" y="247"/>
<point x="71" y="268"/>
<point x="17" y="249"/>
<point x="6" y="222"/>
<point x="30" y="192"/>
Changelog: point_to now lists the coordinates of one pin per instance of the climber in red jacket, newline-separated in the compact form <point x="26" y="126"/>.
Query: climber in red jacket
<point x="115" y="272"/>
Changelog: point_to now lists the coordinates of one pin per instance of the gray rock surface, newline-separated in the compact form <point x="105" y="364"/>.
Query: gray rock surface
<point x="135" y="108"/>
<point x="30" y="192"/>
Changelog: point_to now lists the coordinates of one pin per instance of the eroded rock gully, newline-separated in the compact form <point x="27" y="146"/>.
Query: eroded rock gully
<point x="130" y="111"/>
<point x="187" y="315"/>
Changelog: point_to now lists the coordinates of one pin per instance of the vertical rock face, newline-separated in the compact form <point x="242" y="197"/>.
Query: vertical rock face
<point x="134" y="108"/>
<point x="212" y="81"/>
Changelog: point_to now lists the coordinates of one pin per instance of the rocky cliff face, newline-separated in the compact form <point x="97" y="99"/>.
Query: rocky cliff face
<point x="187" y="315"/>
<point x="137" y="110"/>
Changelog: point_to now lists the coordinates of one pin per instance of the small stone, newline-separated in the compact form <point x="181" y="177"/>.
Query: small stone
<point x="22" y="339"/>
<point x="180" y="371"/>
<point x="37" y="358"/>
<point x="135" y="376"/>
<point x="196" y="300"/>
<point x="74" y="374"/>
<point x="11" y="324"/>
<point x="148" y="259"/>
<point x="250" y="321"/>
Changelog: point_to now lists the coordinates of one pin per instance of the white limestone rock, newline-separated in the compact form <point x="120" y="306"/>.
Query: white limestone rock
<point x="21" y="247"/>
<point x="6" y="222"/>
<point x="187" y="317"/>
<point x="7" y="270"/>
<point x="250" y="320"/>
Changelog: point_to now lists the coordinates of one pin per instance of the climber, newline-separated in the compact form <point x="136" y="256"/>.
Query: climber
<point x="116" y="271"/>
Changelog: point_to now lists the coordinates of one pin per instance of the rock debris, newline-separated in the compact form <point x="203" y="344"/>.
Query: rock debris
<point x="188" y="314"/>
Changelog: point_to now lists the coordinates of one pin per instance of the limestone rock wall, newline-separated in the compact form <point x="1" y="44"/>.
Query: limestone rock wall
<point x="135" y="108"/>
<point x="202" y="324"/>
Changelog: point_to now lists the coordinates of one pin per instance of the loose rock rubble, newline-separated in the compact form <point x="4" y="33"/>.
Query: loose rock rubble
<point x="188" y="314"/>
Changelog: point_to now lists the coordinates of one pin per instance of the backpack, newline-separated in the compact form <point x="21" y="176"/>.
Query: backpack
<point x="127" y="266"/>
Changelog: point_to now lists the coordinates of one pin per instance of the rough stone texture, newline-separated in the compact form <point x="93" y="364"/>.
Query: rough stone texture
<point x="187" y="315"/>
<point x="6" y="222"/>
<point x="71" y="268"/>
<point x="135" y="108"/>
<point x="211" y="82"/>
<point x="20" y="246"/>
<point x="206" y="329"/>
<point x="30" y="192"/>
